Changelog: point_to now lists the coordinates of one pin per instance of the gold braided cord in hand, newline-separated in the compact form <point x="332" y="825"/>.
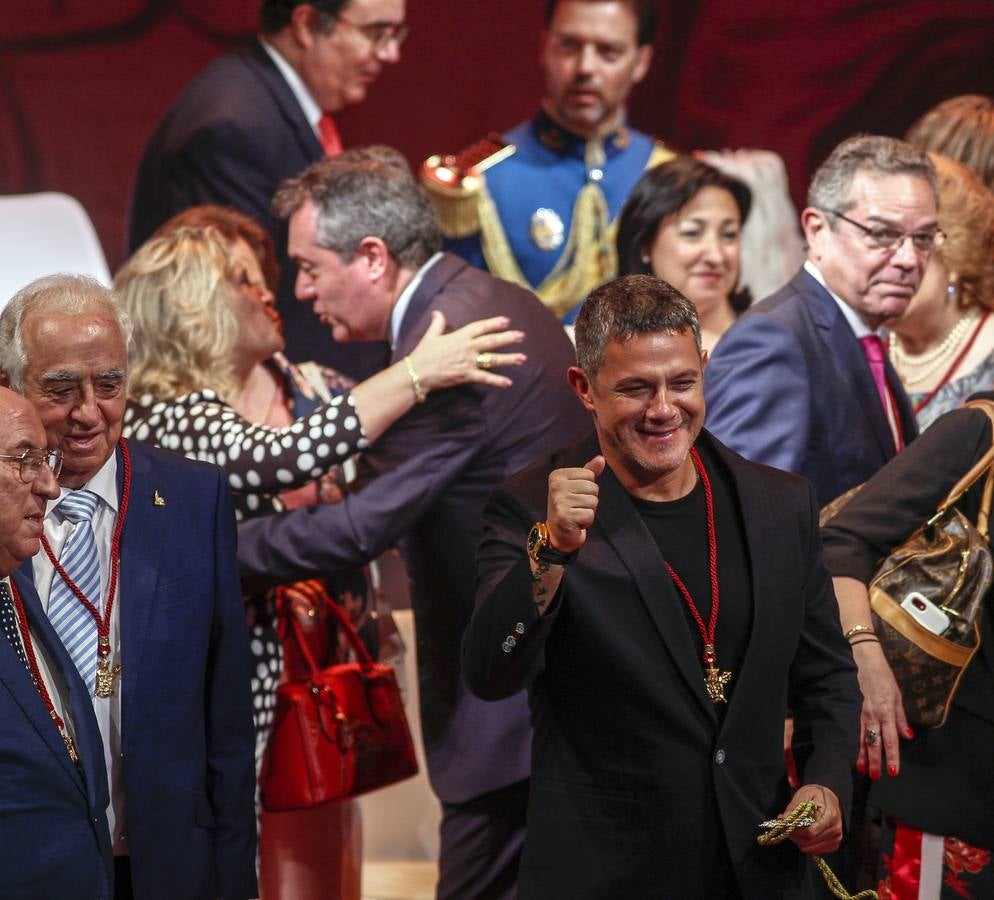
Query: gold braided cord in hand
<point x="782" y="829"/>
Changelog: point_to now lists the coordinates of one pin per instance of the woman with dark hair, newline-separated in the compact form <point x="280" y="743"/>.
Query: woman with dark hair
<point x="683" y="223"/>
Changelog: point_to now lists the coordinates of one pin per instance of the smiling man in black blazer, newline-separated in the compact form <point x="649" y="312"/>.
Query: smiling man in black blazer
<point x="665" y="603"/>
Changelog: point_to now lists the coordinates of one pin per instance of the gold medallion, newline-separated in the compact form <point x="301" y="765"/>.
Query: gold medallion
<point x="546" y="229"/>
<point x="70" y="746"/>
<point x="715" y="682"/>
<point x="105" y="678"/>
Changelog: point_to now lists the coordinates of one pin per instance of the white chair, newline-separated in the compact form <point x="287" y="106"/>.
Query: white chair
<point x="41" y="234"/>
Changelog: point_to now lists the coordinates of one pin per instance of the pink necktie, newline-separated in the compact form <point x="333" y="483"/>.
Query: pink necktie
<point x="873" y="349"/>
<point x="330" y="139"/>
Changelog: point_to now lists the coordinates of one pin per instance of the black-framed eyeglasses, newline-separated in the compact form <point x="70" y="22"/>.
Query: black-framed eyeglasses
<point x="884" y="238"/>
<point x="379" y="34"/>
<point x="30" y="463"/>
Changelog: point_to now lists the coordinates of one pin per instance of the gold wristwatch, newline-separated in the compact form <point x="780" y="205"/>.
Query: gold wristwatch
<point x="540" y="550"/>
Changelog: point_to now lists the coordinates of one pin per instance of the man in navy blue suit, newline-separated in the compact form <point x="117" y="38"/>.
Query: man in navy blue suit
<point x="143" y="591"/>
<point x="802" y="381"/>
<point x="53" y="826"/>
<point x="262" y="114"/>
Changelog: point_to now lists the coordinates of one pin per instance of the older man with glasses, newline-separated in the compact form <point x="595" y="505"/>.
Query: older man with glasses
<point x="54" y="840"/>
<point x="263" y="114"/>
<point x="802" y="382"/>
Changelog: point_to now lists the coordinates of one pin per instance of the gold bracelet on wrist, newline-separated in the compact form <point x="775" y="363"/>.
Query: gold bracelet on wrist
<point x="420" y="394"/>
<point x="858" y="629"/>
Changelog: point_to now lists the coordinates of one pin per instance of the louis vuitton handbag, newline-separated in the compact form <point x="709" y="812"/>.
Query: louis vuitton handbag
<point x="927" y="597"/>
<point x="338" y="731"/>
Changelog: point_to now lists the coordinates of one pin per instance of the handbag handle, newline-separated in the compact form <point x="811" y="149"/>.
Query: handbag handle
<point x="984" y="464"/>
<point x="362" y="654"/>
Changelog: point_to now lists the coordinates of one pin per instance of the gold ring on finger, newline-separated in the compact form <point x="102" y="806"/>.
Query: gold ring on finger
<point x="484" y="360"/>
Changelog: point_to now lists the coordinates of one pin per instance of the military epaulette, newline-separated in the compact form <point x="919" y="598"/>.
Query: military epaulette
<point x="660" y="154"/>
<point x="454" y="182"/>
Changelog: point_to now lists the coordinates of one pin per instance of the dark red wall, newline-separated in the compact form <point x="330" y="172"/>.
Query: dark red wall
<point x="82" y="82"/>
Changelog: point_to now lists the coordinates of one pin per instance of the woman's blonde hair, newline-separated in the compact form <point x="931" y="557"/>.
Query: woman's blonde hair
<point x="177" y="291"/>
<point x="966" y="215"/>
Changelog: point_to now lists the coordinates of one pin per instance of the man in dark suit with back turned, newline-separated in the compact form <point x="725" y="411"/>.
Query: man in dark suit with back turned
<point x="137" y="577"/>
<point x="53" y="824"/>
<point x="802" y="381"/>
<point x="663" y="600"/>
<point x="261" y="114"/>
<point x="366" y="241"/>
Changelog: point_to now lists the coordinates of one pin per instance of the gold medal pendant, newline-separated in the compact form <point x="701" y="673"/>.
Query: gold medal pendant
<point x="714" y="679"/>
<point x="105" y="678"/>
<point x="70" y="746"/>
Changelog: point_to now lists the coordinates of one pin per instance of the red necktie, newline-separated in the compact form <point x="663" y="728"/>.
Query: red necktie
<point x="873" y="349"/>
<point x="330" y="140"/>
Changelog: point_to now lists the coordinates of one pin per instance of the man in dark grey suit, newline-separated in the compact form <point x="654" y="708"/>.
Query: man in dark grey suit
<point x="792" y="384"/>
<point x="261" y="114"/>
<point x="366" y="242"/>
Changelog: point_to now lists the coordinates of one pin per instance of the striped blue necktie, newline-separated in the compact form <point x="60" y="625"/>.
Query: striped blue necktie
<point x="70" y="619"/>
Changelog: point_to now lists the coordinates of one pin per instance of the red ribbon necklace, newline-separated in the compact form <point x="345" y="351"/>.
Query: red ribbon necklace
<point x="105" y="674"/>
<point x="29" y="652"/>
<point x="714" y="679"/>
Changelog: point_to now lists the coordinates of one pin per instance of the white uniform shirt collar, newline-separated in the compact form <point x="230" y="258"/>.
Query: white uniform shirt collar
<point x="858" y="326"/>
<point x="404" y="300"/>
<point x="312" y="112"/>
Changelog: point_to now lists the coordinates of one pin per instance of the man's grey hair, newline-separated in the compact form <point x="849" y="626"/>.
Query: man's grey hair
<point x="61" y="294"/>
<point x="875" y="154"/>
<point x="366" y="192"/>
<point x="627" y="307"/>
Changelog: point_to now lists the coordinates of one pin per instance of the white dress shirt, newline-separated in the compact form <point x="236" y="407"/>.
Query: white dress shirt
<point x="106" y="709"/>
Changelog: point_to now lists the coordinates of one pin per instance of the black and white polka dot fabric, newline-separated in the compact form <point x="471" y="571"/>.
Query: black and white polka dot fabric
<point x="258" y="460"/>
<point x="8" y="624"/>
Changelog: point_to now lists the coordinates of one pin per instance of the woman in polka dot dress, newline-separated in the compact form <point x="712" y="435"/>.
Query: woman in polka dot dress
<point x="206" y="331"/>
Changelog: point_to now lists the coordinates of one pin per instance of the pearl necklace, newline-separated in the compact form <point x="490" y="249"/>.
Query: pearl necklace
<point x="931" y="360"/>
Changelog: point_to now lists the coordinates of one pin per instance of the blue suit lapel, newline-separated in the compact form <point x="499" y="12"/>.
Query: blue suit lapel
<point x="15" y="676"/>
<point x="620" y="524"/>
<point x="139" y="572"/>
<point x="845" y="349"/>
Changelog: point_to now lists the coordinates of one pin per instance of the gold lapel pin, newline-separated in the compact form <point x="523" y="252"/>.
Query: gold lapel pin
<point x="158" y="499"/>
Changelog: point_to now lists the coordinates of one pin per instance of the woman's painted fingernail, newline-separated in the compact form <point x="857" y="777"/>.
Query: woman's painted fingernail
<point x="861" y="767"/>
<point x="892" y="770"/>
<point x="909" y="732"/>
<point x="875" y="774"/>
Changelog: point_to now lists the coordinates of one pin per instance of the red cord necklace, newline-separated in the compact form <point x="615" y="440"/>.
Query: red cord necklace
<point x="29" y="652"/>
<point x="714" y="679"/>
<point x="105" y="674"/>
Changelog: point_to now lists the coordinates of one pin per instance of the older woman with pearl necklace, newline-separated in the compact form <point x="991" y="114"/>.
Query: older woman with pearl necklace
<point x="943" y="346"/>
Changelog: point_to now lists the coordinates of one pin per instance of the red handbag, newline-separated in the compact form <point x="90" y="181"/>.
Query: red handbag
<point x="339" y="732"/>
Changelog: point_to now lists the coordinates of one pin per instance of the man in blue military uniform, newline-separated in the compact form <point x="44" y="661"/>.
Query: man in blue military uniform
<point x="537" y="206"/>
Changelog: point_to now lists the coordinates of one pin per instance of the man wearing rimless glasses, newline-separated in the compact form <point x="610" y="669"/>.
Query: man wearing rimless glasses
<point x="263" y="114"/>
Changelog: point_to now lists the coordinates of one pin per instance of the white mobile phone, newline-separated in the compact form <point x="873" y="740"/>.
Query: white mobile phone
<point x="925" y="612"/>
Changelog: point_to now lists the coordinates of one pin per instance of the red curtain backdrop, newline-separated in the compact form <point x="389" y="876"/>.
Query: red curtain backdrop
<point x="82" y="83"/>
